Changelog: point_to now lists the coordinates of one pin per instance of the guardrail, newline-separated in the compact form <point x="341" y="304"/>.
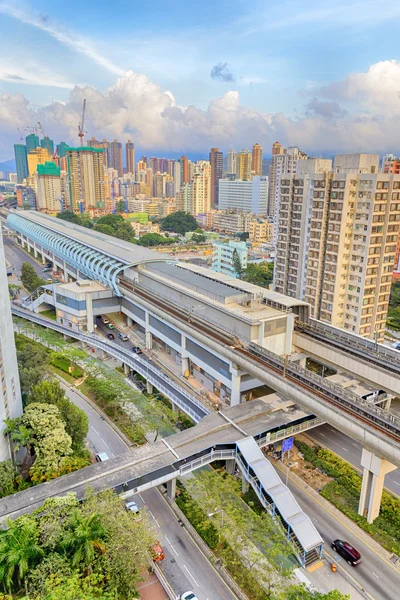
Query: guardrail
<point x="155" y="376"/>
<point x="276" y="436"/>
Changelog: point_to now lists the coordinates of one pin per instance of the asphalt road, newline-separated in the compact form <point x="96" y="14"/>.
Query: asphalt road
<point x="350" y="450"/>
<point x="375" y="574"/>
<point x="17" y="256"/>
<point x="185" y="567"/>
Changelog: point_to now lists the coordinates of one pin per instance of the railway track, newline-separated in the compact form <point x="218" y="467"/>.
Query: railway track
<point x="369" y="417"/>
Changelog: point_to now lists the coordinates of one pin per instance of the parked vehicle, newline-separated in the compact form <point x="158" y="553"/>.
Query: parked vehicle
<point x="347" y="551"/>
<point x="137" y="350"/>
<point x="110" y="326"/>
<point x="111" y="336"/>
<point x="157" y="553"/>
<point x="132" y="507"/>
<point x="101" y="456"/>
<point x="47" y="269"/>
<point x="396" y="345"/>
<point x="122" y="336"/>
<point x="105" y="319"/>
<point x="188" y="596"/>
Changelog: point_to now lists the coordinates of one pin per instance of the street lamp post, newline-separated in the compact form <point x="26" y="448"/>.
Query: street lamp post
<point x="221" y="510"/>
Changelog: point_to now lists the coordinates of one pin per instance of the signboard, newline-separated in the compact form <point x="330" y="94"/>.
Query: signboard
<point x="287" y="444"/>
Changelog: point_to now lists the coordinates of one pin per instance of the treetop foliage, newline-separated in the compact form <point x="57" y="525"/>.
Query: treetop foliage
<point x="179" y="222"/>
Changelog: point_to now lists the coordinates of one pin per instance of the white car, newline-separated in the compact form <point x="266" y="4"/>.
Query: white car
<point x="188" y="596"/>
<point x="132" y="507"/>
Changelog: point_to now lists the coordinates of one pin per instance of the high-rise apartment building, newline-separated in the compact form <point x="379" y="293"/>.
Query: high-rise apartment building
<point x="231" y="162"/>
<point x="184" y="198"/>
<point x="32" y="142"/>
<point x="10" y="393"/>
<point x="216" y="162"/>
<point x="86" y="178"/>
<point x="184" y="169"/>
<point x="130" y="157"/>
<point x="177" y="176"/>
<point x="48" y="187"/>
<point x="244" y="196"/>
<point x="223" y="257"/>
<point x="21" y="162"/>
<point x="36" y="157"/>
<point x="46" y="142"/>
<point x="284" y="160"/>
<point x="349" y="242"/>
<point x="201" y="188"/>
<point x="115" y="157"/>
<point x="243" y="165"/>
<point x="256" y="159"/>
<point x="93" y="143"/>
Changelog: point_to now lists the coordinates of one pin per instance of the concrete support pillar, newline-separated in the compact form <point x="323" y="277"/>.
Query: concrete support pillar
<point x="171" y="489"/>
<point x="129" y="321"/>
<point x="35" y="252"/>
<point x="289" y="333"/>
<point x="65" y="272"/>
<point x="185" y="359"/>
<point x="235" y="385"/>
<point x="149" y="387"/>
<point x="375" y="469"/>
<point x="387" y="403"/>
<point x="174" y="407"/>
<point x="149" y="340"/>
<point x="230" y="466"/>
<point x="43" y="258"/>
<point x="126" y="369"/>
<point x="245" y="485"/>
<point x="261" y="331"/>
<point x="89" y="313"/>
<point x="83" y="345"/>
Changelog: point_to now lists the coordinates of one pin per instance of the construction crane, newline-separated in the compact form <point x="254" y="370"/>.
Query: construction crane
<point x="81" y="126"/>
<point x="41" y="129"/>
<point x="31" y="129"/>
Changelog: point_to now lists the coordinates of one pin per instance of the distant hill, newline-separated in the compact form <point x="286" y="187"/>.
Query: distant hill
<point x="8" y="165"/>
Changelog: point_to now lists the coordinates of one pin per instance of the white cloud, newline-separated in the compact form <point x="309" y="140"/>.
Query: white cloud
<point x="137" y="108"/>
<point x="71" y="40"/>
<point x="31" y="74"/>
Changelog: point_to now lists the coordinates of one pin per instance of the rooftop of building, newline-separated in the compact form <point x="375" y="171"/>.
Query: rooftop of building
<point x="82" y="286"/>
<point x="125" y="252"/>
<point x="84" y="149"/>
<point x="48" y="168"/>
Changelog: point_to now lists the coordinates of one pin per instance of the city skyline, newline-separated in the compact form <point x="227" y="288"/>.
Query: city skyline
<point x="186" y="90"/>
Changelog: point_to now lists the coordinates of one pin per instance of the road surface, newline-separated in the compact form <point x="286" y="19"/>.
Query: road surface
<point x="17" y="256"/>
<point x="379" y="577"/>
<point x="350" y="450"/>
<point x="185" y="567"/>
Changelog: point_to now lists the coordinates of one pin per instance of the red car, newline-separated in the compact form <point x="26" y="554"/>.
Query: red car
<point x="347" y="551"/>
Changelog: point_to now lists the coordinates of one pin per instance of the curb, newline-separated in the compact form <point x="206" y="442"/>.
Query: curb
<point x="98" y="410"/>
<point x="366" y="538"/>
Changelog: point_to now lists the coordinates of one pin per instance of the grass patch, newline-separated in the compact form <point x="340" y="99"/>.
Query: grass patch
<point x="49" y="313"/>
<point x="132" y="430"/>
<point x="64" y="364"/>
<point x="344" y="492"/>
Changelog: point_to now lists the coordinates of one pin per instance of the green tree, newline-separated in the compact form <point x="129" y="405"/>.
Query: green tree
<point x="50" y="440"/>
<point x="153" y="239"/>
<point x="111" y="220"/>
<point x="237" y="263"/>
<point x="261" y="274"/>
<point x="75" y="420"/>
<point x="104" y="228"/>
<point x="179" y="222"/>
<point x="125" y="232"/>
<point x="198" y="239"/>
<point x="300" y="592"/>
<point x="32" y="364"/>
<point x="19" y="550"/>
<point x="68" y="215"/>
<point x="30" y="278"/>
<point x="41" y="577"/>
<point x="83" y="538"/>
<point x="74" y="586"/>
<point x="120" y="206"/>
<point x="85" y="220"/>
<point x="8" y="477"/>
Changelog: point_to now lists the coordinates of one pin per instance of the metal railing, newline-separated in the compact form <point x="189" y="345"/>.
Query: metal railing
<point x="155" y="376"/>
<point x="276" y="436"/>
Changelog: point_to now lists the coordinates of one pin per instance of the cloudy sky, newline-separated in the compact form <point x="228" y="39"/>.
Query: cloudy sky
<point x="180" y="76"/>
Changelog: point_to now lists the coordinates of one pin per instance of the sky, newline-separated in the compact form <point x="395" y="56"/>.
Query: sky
<point x="180" y="77"/>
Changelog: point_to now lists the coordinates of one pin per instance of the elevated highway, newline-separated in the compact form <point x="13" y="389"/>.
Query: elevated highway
<point x="363" y="358"/>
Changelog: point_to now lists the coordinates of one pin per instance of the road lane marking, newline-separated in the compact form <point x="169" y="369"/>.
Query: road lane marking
<point x="356" y="445"/>
<point x="345" y="449"/>
<point x="377" y="576"/>
<point x="94" y="430"/>
<point x="105" y="443"/>
<point x="191" y="575"/>
<point x="158" y="524"/>
<point x="322" y="435"/>
<point x="352" y="531"/>
<point x="141" y="497"/>
<point x="314" y="519"/>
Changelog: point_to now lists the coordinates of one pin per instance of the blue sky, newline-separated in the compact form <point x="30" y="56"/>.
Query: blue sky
<point x="322" y="74"/>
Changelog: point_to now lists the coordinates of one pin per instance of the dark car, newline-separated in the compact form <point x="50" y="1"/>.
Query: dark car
<point x="347" y="551"/>
<point x="111" y="336"/>
<point x="136" y="350"/>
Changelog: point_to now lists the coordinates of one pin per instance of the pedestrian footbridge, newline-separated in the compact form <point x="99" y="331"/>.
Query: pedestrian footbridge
<point x="219" y="436"/>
